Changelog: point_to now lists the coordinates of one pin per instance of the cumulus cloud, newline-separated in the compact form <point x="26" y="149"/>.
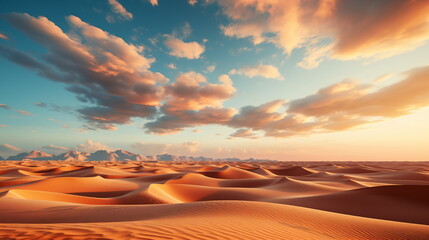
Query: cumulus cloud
<point x="351" y="98"/>
<point x="100" y="68"/>
<point x="3" y="36"/>
<point x="161" y="148"/>
<point x="179" y="48"/>
<point x="90" y="146"/>
<point x="338" y="107"/>
<point x="322" y="27"/>
<point x="192" y="91"/>
<point x="265" y="71"/>
<point x="193" y="101"/>
<point x="119" y="9"/>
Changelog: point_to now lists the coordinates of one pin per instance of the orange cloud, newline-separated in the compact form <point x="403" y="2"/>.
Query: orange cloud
<point x="98" y="67"/>
<point x="331" y="28"/>
<point x="266" y="71"/>
<point x="338" y="107"/>
<point x="351" y="98"/>
<point x="192" y="101"/>
<point x="179" y="48"/>
<point x="191" y="91"/>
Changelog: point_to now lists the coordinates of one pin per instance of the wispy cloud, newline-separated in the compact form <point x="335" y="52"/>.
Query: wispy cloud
<point x="22" y="112"/>
<point x="3" y="36"/>
<point x="119" y="9"/>
<point x="9" y="148"/>
<point x="265" y="71"/>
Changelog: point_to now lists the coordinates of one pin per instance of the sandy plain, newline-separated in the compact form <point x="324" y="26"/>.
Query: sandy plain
<point x="214" y="200"/>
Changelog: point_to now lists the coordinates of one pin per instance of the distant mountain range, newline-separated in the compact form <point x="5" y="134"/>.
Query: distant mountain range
<point x="118" y="155"/>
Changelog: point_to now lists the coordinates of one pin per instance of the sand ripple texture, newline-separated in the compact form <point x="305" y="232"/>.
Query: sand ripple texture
<point x="214" y="200"/>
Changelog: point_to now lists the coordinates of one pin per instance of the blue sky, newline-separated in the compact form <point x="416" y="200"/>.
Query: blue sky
<point x="250" y="43"/>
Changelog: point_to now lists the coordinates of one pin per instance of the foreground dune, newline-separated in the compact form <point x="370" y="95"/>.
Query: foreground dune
<point x="212" y="200"/>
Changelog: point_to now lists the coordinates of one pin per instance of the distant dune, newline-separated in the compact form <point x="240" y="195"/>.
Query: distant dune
<point x="183" y="199"/>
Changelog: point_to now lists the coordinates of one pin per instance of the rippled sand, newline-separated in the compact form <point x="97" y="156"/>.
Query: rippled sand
<point x="213" y="200"/>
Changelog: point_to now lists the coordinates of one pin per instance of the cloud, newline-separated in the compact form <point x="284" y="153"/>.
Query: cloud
<point x="2" y="36"/>
<point x="90" y="146"/>
<point x="9" y="148"/>
<point x="40" y="104"/>
<point x="192" y="2"/>
<point x="119" y="9"/>
<point x="192" y="91"/>
<point x="171" y="66"/>
<point x="185" y="148"/>
<point x="338" y="107"/>
<point x="193" y="101"/>
<point x="55" y="149"/>
<point x="210" y="68"/>
<point x="322" y="27"/>
<point x="153" y="2"/>
<point x="3" y="125"/>
<point x="175" y="122"/>
<point x="244" y="133"/>
<point x="256" y="117"/>
<point x="55" y="107"/>
<point x="4" y="106"/>
<point x="101" y="69"/>
<point x="22" y="112"/>
<point x="350" y="97"/>
<point x="179" y="48"/>
<point x="266" y="71"/>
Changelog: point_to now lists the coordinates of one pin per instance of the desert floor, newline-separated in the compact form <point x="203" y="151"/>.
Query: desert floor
<point x="214" y="200"/>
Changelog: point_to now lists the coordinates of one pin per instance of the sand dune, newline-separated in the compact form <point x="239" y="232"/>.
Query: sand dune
<point x="213" y="200"/>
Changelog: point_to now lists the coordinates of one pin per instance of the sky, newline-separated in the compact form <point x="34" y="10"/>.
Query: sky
<point x="325" y="80"/>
